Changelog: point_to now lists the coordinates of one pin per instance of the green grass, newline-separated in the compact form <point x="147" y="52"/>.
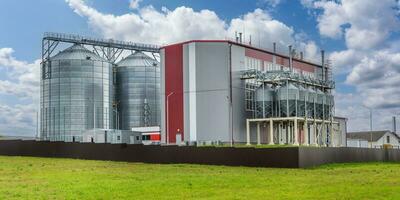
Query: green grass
<point x="45" y="178"/>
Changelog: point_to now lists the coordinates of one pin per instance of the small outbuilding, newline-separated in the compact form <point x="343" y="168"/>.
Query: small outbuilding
<point x="373" y="139"/>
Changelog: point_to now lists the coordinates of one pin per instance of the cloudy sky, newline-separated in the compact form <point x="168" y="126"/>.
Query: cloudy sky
<point x="361" y="38"/>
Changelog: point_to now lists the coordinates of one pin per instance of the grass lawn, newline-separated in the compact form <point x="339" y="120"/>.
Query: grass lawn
<point x="45" y="178"/>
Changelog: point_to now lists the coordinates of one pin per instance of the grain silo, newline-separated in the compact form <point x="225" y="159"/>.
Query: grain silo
<point x="76" y="94"/>
<point x="138" y="87"/>
<point x="264" y="99"/>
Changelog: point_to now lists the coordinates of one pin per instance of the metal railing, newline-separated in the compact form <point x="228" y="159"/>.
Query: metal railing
<point x="72" y="38"/>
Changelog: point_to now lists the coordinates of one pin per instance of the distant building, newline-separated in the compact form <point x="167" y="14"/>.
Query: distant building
<point x="373" y="139"/>
<point x="340" y="131"/>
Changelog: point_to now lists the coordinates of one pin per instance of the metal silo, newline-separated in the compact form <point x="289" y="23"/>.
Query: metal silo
<point x="76" y="94"/>
<point x="138" y="91"/>
<point x="328" y="105"/>
<point x="287" y="97"/>
<point x="311" y="100"/>
<point x="320" y="104"/>
<point x="301" y="101"/>
<point x="264" y="99"/>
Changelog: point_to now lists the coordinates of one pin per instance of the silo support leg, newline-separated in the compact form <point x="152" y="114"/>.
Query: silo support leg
<point x="296" y="133"/>
<point x="271" y="132"/>
<point x="258" y="134"/>
<point x="247" y="132"/>
<point x="315" y="133"/>
<point x="305" y="132"/>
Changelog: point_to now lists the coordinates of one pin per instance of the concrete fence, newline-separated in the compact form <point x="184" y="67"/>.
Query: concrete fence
<point x="291" y="157"/>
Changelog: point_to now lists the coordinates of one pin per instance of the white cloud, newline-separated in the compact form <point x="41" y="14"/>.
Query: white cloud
<point x="169" y="26"/>
<point x="273" y="3"/>
<point x="333" y="17"/>
<point x="307" y="3"/>
<point x="23" y="77"/>
<point x="377" y="77"/>
<point x="134" y="4"/>
<point x="262" y="28"/>
<point x="344" y="61"/>
<point x="358" y="116"/>
<point x="371" y="61"/>
<point x="22" y="83"/>
<point x="365" y="23"/>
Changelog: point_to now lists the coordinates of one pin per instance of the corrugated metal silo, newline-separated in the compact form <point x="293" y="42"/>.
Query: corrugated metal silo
<point x="319" y="104"/>
<point x="301" y="102"/>
<point x="287" y="97"/>
<point x="76" y="94"/>
<point x="138" y="91"/>
<point x="264" y="99"/>
<point x="311" y="99"/>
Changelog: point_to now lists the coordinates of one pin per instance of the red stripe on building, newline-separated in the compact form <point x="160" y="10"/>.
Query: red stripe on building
<point x="258" y="55"/>
<point x="174" y="88"/>
<point x="303" y="66"/>
<point x="280" y="60"/>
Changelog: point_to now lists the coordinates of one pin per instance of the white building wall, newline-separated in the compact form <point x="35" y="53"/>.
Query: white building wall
<point x="238" y="94"/>
<point x="206" y="110"/>
<point x="357" y="143"/>
<point x="162" y="96"/>
<point x="383" y="140"/>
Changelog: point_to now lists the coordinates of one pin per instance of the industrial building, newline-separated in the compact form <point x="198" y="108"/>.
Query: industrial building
<point x="201" y="92"/>
<point x="220" y="91"/>
<point x="91" y="95"/>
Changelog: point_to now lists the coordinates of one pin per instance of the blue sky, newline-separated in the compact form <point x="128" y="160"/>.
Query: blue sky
<point x="342" y="28"/>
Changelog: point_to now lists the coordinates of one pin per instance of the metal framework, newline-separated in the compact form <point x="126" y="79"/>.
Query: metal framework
<point x="278" y="77"/>
<point x="276" y="118"/>
<point x="109" y="49"/>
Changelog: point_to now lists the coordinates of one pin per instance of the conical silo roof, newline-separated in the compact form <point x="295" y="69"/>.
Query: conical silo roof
<point x="77" y="52"/>
<point x="137" y="59"/>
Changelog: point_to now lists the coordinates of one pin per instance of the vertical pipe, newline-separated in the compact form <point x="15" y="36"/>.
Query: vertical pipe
<point x="258" y="134"/>
<point x="247" y="132"/>
<point x="290" y="58"/>
<point x="37" y="124"/>
<point x="274" y="55"/>
<point x="263" y="103"/>
<point x="301" y="55"/>
<point x="394" y="125"/>
<point x="323" y="64"/>
<point x="287" y="98"/>
<point x="230" y="94"/>
<point x="296" y="135"/>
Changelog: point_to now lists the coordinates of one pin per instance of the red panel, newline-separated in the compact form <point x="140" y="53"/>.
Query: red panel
<point x="258" y="55"/>
<point x="280" y="60"/>
<point x="174" y="88"/>
<point x="155" y="137"/>
<point x="303" y="66"/>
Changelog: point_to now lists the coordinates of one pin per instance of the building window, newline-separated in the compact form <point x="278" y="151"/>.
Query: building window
<point x="118" y="137"/>
<point x="387" y="139"/>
